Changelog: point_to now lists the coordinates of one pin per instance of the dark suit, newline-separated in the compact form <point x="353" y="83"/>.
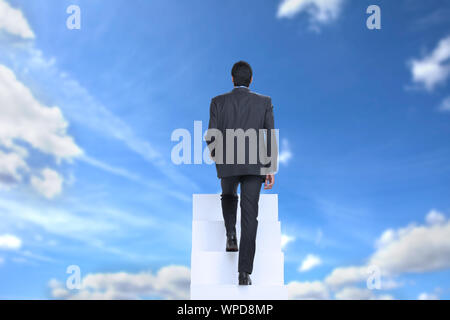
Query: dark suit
<point x="242" y="109"/>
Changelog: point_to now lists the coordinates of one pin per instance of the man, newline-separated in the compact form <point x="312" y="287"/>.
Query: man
<point x="242" y="158"/>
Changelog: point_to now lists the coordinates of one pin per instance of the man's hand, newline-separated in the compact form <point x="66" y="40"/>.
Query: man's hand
<point x="270" y="180"/>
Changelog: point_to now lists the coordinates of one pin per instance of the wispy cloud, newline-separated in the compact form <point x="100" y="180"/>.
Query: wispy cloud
<point x="320" y="11"/>
<point x="285" y="239"/>
<point x="311" y="261"/>
<point x="95" y="226"/>
<point x="132" y="176"/>
<point x="91" y="226"/>
<point x="26" y="59"/>
<point x="285" y="153"/>
<point x="100" y="119"/>
<point x="428" y="296"/>
<point x="445" y="105"/>
<point x="434" y="68"/>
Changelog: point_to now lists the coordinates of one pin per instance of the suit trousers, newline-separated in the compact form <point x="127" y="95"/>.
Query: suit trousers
<point x="250" y="191"/>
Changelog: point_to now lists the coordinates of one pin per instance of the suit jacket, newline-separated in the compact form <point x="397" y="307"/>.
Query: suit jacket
<point x="243" y="109"/>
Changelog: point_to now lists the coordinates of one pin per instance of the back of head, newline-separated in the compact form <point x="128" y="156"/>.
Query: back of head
<point x="242" y="73"/>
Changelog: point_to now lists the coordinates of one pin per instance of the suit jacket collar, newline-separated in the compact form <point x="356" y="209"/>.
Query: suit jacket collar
<point x="241" y="89"/>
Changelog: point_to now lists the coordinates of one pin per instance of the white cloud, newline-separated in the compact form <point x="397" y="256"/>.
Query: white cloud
<point x="320" y="11"/>
<point x="344" y="276"/>
<point x="12" y="21"/>
<point x="48" y="184"/>
<point x="285" y="153"/>
<point x="389" y="283"/>
<point x="170" y="282"/>
<point x="386" y="237"/>
<point x="428" y="296"/>
<point x="26" y="121"/>
<point x="319" y="290"/>
<point x="435" y="217"/>
<point x="413" y="249"/>
<point x="10" y="242"/>
<point x="24" y="118"/>
<point x="11" y="167"/>
<point x="310" y="262"/>
<point x="285" y="239"/>
<point x="314" y="290"/>
<point x="434" y="68"/>
<point x="416" y="249"/>
<point x="445" y="105"/>
<point x="354" y="293"/>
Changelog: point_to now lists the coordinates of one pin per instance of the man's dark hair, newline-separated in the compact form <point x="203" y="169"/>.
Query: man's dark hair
<point x="242" y="73"/>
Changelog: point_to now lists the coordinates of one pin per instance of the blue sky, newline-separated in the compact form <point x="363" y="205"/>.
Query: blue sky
<point x="86" y="176"/>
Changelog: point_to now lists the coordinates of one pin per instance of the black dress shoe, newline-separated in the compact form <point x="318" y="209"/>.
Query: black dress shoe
<point x="232" y="245"/>
<point x="244" y="279"/>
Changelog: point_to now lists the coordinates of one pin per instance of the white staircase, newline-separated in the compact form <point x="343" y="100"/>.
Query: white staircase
<point x="214" y="272"/>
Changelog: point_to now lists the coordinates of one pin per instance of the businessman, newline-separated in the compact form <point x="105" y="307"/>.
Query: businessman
<point x="242" y="142"/>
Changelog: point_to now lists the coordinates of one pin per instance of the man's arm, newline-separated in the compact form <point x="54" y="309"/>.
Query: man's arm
<point x="272" y="148"/>
<point x="269" y="122"/>
<point x="212" y="125"/>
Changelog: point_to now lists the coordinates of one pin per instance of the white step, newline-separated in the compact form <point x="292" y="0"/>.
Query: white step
<point x="236" y="292"/>
<point x="211" y="267"/>
<point x="211" y="236"/>
<point x="208" y="207"/>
